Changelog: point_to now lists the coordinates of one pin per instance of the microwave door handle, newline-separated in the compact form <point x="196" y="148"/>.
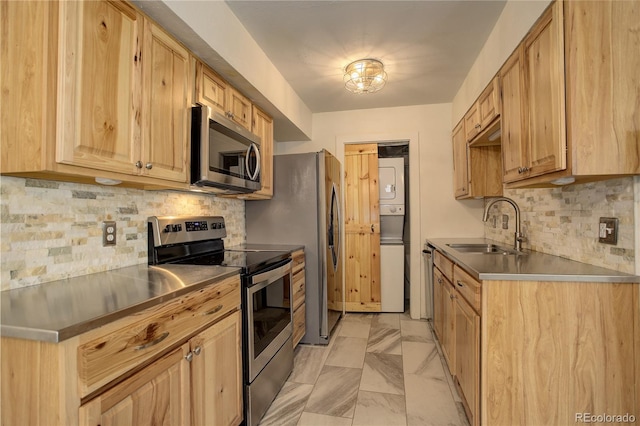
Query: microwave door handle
<point x="253" y="175"/>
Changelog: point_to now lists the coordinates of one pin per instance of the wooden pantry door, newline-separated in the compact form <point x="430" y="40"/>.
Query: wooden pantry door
<point x="362" y="228"/>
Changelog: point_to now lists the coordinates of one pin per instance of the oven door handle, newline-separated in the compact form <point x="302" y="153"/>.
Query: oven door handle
<point x="265" y="278"/>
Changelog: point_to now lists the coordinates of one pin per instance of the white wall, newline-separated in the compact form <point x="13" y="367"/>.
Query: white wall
<point x="428" y="130"/>
<point x="512" y="25"/>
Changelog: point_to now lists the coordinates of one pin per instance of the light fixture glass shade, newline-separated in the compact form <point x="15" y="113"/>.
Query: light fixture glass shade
<point x="364" y="76"/>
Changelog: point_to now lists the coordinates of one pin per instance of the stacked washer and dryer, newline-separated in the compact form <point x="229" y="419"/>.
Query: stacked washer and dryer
<point x="392" y="254"/>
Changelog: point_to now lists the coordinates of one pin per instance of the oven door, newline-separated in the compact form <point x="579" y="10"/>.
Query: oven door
<point x="268" y="311"/>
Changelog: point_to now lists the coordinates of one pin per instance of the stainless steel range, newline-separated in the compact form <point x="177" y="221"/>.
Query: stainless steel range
<point x="266" y="302"/>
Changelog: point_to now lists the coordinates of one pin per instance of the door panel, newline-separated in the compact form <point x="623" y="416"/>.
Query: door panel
<point x="362" y="228"/>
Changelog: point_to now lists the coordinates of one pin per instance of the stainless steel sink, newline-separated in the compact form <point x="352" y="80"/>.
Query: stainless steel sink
<point x="483" y="249"/>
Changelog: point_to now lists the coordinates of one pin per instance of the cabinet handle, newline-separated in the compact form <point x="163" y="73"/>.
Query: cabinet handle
<point x="214" y="310"/>
<point x="149" y="166"/>
<point x="477" y="126"/>
<point x="452" y="296"/>
<point x="460" y="283"/>
<point x="439" y="280"/>
<point x="372" y="228"/>
<point x="197" y="350"/>
<point x="153" y="342"/>
<point x="189" y="357"/>
<point x="139" y="164"/>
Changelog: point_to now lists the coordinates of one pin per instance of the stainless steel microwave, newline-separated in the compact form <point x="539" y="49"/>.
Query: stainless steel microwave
<point x="225" y="157"/>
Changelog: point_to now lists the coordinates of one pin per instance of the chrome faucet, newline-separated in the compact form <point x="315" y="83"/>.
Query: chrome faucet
<point x="519" y="238"/>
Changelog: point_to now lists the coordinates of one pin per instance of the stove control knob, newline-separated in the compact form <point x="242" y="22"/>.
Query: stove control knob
<point x="214" y="225"/>
<point x="167" y="228"/>
<point x="176" y="228"/>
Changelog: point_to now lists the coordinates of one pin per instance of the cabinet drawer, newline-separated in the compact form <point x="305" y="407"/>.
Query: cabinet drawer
<point x="299" y="323"/>
<point x="444" y="264"/>
<point x="439" y="277"/>
<point x="468" y="287"/>
<point x="134" y="340"/>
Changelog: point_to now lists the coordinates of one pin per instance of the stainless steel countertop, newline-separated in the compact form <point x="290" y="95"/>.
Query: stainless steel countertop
<point x="530" y="266"/>
<point x="59" y="310"/>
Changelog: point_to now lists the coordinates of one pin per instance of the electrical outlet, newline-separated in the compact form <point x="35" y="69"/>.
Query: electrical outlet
<point x="608" y="230"/>
<point x="108" y="233"/>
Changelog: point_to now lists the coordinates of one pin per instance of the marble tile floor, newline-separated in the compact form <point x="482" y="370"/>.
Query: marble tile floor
<point x="378" y="369"/>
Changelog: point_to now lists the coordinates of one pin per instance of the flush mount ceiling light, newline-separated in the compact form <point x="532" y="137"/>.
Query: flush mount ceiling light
<point x="364" y="76"/>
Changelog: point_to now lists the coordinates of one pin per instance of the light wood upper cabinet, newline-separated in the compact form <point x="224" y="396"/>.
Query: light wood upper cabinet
<point x="109" y="50"/>
<point x="544" y="94"/>
<point x="103" y="95"/>
<point x="514" y="149"/>
<point x="210" y="88"/>
<point x="476" y="166"/>
<point x="460" y="162"/>
<point x="489" y="105"/>
<point x="100" y="86"/>
<point x="603" y="108"/>
<point x="167" y="99"/>
<point x="239" y="108"/>
<point x="579" y="96"/>
<point x="362" y="229"/>
<point x="472" y="125"/>
<point x="214" y="91"/>
<point x="483" y="111"/>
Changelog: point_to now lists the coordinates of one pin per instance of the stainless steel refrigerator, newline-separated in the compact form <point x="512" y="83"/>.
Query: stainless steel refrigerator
<point x="305" y="209"/>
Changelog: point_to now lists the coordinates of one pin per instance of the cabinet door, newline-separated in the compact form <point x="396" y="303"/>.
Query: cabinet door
<point x="216" y="373"/>
<point x="362" y="229"/>
<point x="544" y="82"/>
<point x="157" y="395"/>
<point x="467" y="344"/>
<point x="603" y="111"/>
<point x="514" y="144"/>
<point x="489" y="103"/>
<point x="460" y="162"/>
<point x="166" y="106"/>
<point x="448" y="326"/>
<point x="239" y="108"/>
<point x="99" y="85"/>
<point x="263" y="127"/>
<point x="211" y="89"/>
<point x="472" y="125"/>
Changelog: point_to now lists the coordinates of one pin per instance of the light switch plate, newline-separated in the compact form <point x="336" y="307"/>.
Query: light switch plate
<point x="608" y="230"/>
<point x="108" y="233"/>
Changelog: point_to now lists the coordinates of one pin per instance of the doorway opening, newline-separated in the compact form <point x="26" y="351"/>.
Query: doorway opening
<point x="395" y="232"/>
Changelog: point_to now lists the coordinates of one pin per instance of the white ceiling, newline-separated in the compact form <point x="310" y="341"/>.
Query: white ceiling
<point x="427" y="46"/>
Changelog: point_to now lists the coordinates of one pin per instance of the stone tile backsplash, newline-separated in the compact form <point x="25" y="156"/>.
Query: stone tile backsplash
<point x="563" y="221"/>
<point x="53" y="230"/>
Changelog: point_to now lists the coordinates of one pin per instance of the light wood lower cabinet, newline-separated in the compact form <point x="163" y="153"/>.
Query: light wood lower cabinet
<point x="531" y="352"/>
<point x="159" y="394"/>
<point x="169" y="364"/>
<point x="216" y="373"/>
<point x="299" y="291"/>
<point x="467" y="342"/>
